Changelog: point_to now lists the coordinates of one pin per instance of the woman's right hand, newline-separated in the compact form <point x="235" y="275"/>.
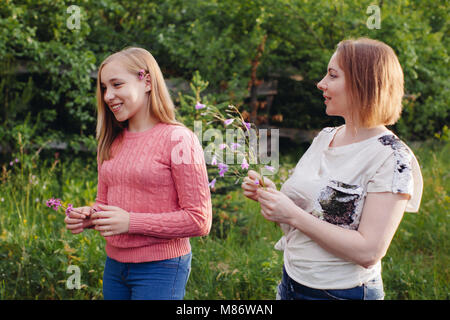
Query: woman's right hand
<point x="252" y="182"/>
<point x="79" y="219"/>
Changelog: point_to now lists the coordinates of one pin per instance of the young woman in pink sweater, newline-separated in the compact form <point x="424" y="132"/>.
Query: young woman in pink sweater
<point x="152" y="193"/>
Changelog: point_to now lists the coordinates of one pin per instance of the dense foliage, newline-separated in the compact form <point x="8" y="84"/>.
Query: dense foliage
<point x="48" y="67"/>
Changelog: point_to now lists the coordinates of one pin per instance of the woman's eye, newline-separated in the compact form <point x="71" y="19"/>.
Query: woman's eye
<point x="333" y="75"/>
<point x="117" y="84"/>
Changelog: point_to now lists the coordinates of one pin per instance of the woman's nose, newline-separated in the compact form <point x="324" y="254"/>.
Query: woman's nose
<point x="108" y="96"/>
<point x="321" y="85"/>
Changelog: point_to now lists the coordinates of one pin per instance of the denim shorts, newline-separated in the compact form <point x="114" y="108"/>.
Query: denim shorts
<point x="155" y="280"/>
<point x="288" y="289"/>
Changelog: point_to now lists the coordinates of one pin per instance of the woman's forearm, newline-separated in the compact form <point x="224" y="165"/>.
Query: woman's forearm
<point x="344" y="243"/>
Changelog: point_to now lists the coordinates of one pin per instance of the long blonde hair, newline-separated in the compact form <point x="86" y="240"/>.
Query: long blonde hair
<point x="160" y="103"/>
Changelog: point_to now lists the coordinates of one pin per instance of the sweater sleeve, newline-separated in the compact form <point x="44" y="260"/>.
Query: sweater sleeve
<point x="190" y="176"/>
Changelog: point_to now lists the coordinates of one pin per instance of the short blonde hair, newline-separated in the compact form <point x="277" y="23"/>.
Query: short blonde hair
<point x="374" y="80"/>
<point x="160" y="103"/>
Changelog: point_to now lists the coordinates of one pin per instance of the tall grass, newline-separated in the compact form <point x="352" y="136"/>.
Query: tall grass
<point x="236" y="261"/>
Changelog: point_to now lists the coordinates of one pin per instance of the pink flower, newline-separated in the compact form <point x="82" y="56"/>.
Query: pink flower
<point x="244" y="164"/>
<point x="54" y="203"/>
<point x="222" y="169"/>
<point x="199" y="106"/>
<point x="69" y="208"/>
<point x="214" y="161"/>
<point x="228" y="121"/>
<point x="141" y="74"/>
<point x="234" y="146"/>
<point x="212" y="183"/>
<point x="270" y="168"/>
<point x="222" y="146"/>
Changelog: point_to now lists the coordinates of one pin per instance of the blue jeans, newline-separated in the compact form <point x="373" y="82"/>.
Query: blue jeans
<point x="288" y="289"/>
<point x="154" y="280"/>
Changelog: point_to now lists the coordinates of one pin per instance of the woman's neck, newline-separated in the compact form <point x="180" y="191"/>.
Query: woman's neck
<point x="139" y="125"/>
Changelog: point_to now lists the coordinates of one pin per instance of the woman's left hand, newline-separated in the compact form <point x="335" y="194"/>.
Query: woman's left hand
<point x="276" y="206"/>
<point x="111" y="220"/>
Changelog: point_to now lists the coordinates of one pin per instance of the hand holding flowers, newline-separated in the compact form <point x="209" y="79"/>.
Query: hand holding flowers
<point x="111" y="220"/>
<point x="252" y="183"/>
<point x="79" y="219"/>
<point x="276" y="206"/>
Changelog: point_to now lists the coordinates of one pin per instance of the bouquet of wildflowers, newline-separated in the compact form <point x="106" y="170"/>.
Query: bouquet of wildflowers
<point x="236" y="140"/>
<point x="243" y="150"/>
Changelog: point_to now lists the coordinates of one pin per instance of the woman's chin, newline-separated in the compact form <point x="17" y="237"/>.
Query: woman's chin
<point x="120" y="117"/>
<point x="329" y="112"/>
<point x="332" y="112"/>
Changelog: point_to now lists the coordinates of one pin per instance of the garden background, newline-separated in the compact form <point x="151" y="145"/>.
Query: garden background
<point x="262" y="56"/>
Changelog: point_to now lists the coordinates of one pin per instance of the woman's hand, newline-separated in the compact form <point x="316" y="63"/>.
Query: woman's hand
<point x="111" y="220"/>
<point x="252" y="182"/>
<point x="79" y="219"/>
<point x="276" y="206"/>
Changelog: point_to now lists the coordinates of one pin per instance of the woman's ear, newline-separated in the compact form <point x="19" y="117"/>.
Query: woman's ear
<point x="148" y="83"/>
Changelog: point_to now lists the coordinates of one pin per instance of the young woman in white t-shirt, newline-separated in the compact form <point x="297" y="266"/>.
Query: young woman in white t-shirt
<point x="342" y="205"/>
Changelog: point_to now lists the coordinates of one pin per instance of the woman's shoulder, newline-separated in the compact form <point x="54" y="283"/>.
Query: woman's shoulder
<point x="391" y="144"/>
<point x="328" y="131"/>
<point x="175" y="134"/>
<point x="174" y="130"/>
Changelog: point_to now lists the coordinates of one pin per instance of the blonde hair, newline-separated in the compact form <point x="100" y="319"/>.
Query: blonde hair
<point x="159" y="103"/>
<point x="374" y="80"/>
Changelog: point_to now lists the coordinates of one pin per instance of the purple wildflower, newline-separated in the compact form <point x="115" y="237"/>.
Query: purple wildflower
<point x="69" y="208"/>
<point x="270" y="168"/>
<point x="222" y="169"/>
<point x="214" y="160"/>
<point x="247" y="124"/>
<point x="199" y="106"/>
<point x="234" y="146"/>
<point x="222" y="146"/>
<point x="228" y="121"/>
<point x="56" y="203"/>
<point x="244" y="164"/>
<point x="212" y="183"/>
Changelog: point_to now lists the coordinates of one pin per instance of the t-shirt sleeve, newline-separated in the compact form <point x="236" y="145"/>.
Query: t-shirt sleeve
<point x="399" y="173"/>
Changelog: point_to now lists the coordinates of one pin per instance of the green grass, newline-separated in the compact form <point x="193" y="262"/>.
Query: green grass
<point x="236" y="261"/>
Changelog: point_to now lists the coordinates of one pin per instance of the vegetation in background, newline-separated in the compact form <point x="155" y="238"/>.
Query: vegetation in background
<point x="48" y="70"/>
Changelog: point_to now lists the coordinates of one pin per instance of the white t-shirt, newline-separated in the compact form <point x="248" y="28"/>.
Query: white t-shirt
<point x="331" y="183"/>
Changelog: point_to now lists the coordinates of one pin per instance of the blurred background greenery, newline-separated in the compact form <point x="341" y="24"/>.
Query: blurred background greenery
<point x="264" y="57"/>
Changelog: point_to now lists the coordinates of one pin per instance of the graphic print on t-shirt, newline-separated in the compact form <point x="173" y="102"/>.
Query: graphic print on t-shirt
<point x="338" y="202"/>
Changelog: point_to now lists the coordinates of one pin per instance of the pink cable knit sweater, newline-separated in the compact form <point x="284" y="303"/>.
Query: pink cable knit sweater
<point x="159" y="176"/>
